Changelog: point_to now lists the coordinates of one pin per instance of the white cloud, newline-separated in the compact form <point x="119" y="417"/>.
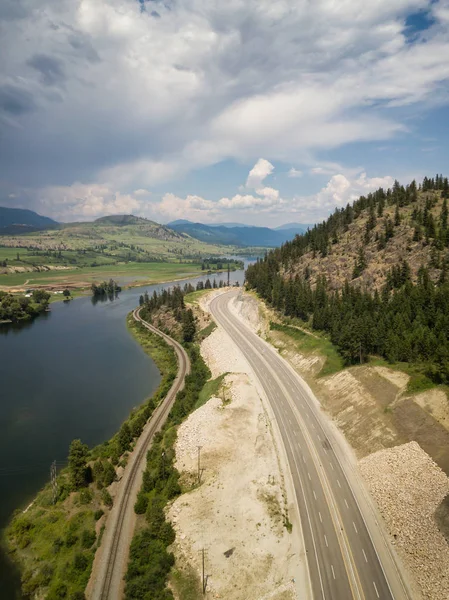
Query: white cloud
<point x="294" y="173"/>
<point x="96" y="90"/>
<point x="322" y="171"/>
<point x="258" y="173"/>
<point x="86" y="202"/>
<point x="340" y="189"/>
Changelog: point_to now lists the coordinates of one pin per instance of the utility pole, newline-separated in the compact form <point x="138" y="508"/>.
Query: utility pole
<point x="228" y="272"/>
<point x="204" y="576"/>
<point x="199" y="464"/>
<point x="360" y="349"/>
<point x="54" y="483"/>
<point x="163" y="464"/>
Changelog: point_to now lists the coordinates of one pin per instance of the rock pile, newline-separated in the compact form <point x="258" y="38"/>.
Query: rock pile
<point x="407" y="486"/>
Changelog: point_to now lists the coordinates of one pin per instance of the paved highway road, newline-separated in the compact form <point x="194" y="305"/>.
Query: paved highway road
<point x="343" y="562"/>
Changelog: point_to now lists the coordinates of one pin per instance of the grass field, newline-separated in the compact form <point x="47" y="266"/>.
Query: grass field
<point x="125" y="274"/>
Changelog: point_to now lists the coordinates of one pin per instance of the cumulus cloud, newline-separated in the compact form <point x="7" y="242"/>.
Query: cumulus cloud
<point x="339" y="190"/>
<point x="294" y="173"/>
<point x="204" y="82"/>
<point x="258" y="173"/>
<point x="86" y="202"/>
<point x="101" y="91"/>
<point x="253" y="209"/>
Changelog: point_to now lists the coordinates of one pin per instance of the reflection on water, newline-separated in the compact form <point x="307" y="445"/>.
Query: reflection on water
<point x="104" y="298"/>
<point x="13" y="328"/>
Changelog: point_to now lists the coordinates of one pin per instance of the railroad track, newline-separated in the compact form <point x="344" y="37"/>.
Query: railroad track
<point x="112" y="566"/>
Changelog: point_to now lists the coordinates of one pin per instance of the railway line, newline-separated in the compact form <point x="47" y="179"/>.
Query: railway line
<point x="111" y="560"/>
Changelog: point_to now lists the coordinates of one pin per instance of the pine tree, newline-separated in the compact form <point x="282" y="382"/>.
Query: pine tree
<point x="78" y="454"/>
<point x="444" y="214"/>
<point x="397" y="216"/>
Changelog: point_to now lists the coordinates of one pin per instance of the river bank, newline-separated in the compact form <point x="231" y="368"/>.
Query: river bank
<point x="89" y="365"/>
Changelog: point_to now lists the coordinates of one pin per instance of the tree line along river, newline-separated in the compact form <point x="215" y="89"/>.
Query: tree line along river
<point x="74" y="372"/>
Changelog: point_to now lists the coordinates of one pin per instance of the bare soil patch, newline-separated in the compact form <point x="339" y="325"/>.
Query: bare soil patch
<point x="237" y="512"/>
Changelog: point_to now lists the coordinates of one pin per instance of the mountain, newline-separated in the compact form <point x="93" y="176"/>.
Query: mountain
<point x="122" y="226"/>
<point x="20" y="220"/>
<point x="229" y="225"/>
<point x="233" y="235"/>
<point x="374" y="277"/>
<point x="297" y="227"/>
<point x="108" y="240"/>
<point x="186" y="222"/>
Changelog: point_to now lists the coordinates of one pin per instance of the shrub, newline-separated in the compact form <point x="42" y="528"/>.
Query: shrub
<point x="98" y="514"/>
<point x="88" y="538"/>
<point x="141" y="504"/>
<point x="85" y="496"/>
<point x="70" y="539"/>
<point x="106" y="497"/>
<point x="80" y="562"/>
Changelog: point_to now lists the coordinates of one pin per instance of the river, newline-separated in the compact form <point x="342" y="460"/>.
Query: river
<point x="74" y="372"/>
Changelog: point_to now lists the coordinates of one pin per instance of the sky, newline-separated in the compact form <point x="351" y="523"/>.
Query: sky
<point x="261" y="112"/>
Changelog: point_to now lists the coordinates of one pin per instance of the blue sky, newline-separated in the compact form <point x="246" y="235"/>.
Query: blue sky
<point x="254" y="111"/>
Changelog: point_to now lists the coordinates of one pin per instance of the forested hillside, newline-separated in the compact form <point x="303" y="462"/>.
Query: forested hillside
<point x="373" y="276"/>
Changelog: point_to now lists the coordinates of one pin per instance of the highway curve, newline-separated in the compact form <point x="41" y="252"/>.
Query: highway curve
<point x="342" y="559"/>
<point x="112" y="556"/>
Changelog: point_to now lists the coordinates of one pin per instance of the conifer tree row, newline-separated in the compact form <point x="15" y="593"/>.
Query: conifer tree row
<point x="405" y="321"/>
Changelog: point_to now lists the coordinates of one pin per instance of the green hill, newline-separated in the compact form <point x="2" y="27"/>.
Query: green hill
<point x="374" y="277"/>
<point x="19" y="220"/>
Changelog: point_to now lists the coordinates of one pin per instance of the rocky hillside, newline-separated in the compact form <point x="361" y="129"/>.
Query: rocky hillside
<point x="362" y="243"/>
<point x="373" y="277"/>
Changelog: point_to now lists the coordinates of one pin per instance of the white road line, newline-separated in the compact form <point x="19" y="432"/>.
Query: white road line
<point x="375" y="587"/>
<point x="339" y="484"/>
<point x="309" y="476"/>
<point x="296" y="433"/>
<point x="314" y="495"/>
<point x="313" y="426"/>
<point x="319" y="514"/>
<point x="333" y="572"/>
<point x="364" y="555"/>
<point x="355" y="527"/>
<point x="303" y="458"/>
<point x="325" y="450"/>
<point x="325" y="539"/>
<point x="332" y="466"/>
<point x="346" y="502"/>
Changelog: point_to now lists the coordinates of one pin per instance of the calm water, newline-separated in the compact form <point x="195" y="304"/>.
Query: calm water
<point x="74" y="372"/>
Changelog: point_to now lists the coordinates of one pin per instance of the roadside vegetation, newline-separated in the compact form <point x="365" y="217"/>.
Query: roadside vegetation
<point x="308" y="343"/>
<point x="150" y="560"/>
<point x="55" y="539"/>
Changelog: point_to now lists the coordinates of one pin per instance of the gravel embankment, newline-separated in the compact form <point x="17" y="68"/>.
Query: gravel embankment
<point x="221" y="355"/>
<point x="407" y="486"/>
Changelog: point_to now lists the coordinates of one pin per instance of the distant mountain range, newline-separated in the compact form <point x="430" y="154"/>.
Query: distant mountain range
<point x="236" y="234"/>
<point x="14" y="221"/>
<point x="20" y="220"/>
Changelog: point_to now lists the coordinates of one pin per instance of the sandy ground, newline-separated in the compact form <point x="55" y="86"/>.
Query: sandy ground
<point x="237" y="513"/>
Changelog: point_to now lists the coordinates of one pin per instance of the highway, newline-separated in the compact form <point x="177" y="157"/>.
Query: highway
<point x="342" y="559"/>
